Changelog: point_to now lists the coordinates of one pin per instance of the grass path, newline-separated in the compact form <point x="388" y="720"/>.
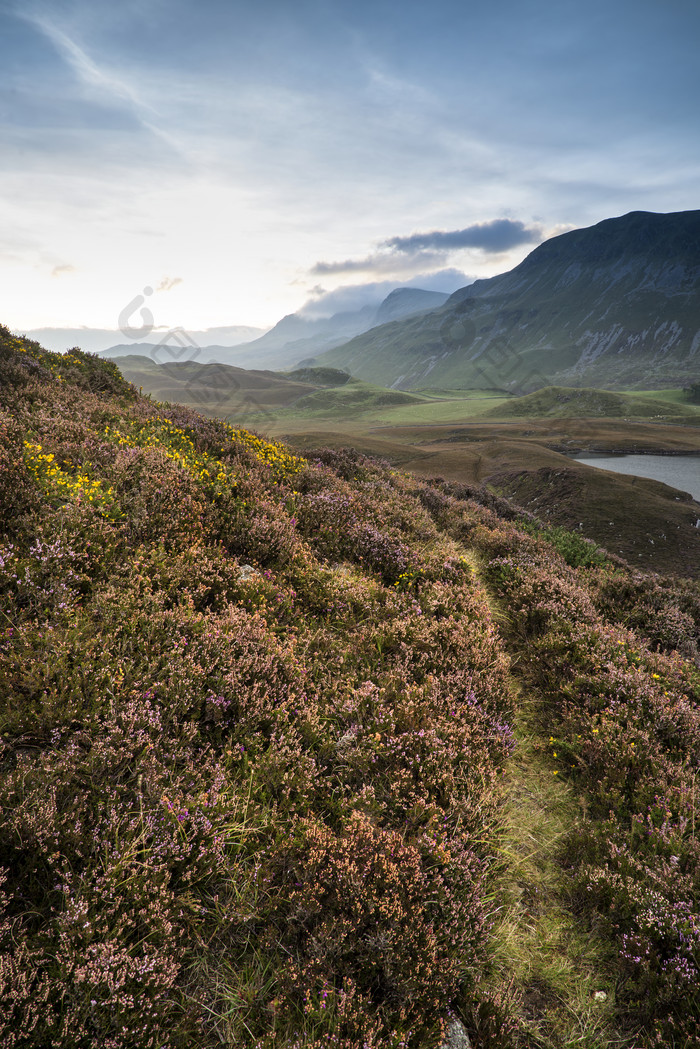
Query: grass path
<point x="568" y="998"/>
<point x="558" y="970"/>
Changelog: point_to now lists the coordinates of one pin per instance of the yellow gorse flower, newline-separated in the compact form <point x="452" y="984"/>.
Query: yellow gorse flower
<point x="178" y="446"/>
<point x="58" y="482"/>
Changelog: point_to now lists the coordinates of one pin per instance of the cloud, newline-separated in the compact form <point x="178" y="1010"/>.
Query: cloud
<point x="380" y="262"/>
<point x="60" y="270"/>
<point x="169" y="282"/>
<point x="447" y="280"/>
<point x="323" y="303"/>
<point x="101" y="81"/>
<point x="495" y="236"/>
<point x="83" y="66"/>
<point x="401" y="254"/>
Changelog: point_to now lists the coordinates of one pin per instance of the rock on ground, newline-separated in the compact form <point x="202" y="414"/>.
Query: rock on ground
<point x="456" y="1037"/>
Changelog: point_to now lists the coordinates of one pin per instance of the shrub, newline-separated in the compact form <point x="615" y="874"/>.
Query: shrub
<point x="359" y="899"/>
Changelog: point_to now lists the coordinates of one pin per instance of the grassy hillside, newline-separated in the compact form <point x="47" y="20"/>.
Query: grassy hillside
<point x="353" y="396"/>
<point x="277" y="734"/>
<point x="567" y="402"/>
<point x="224" y="391"/>
<point x="365" y="406"/>
<point x="217" y="388"/>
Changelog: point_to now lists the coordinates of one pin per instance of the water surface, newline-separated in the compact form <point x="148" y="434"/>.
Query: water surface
<point x="679" y="471"/>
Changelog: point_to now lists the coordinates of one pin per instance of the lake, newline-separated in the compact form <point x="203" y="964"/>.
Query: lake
<point x="679" y="471"/>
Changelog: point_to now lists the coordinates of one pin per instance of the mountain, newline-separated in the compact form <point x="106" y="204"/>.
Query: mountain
<point x="616" y="304"/>
<point x="297" y="335"/>
<point x="296" y="338"/>
<point x="404" y="302"/>
<point x="102" y="340"/>
<point x="183" y="349"/>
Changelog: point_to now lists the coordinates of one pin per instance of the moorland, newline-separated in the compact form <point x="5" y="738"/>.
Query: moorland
<point x="301" y="748"/>
<point x="520" y="446"/>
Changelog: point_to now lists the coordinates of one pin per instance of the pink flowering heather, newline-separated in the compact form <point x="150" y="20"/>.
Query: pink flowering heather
<point x="254" y="715"/>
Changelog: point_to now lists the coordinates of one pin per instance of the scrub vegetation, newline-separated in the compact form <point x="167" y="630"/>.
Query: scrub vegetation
<point x="301" y="751"/>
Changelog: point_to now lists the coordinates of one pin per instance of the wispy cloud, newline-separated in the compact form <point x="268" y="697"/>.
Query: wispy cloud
<point x="98" y="77"/>
<point x="84" y="66"/>
<point x="257" y="150"/>
<point x="168" y="283"/>
<point x="62" y="269"/>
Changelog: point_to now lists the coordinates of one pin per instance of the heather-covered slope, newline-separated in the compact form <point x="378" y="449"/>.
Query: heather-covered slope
<point x="256" y="725"/>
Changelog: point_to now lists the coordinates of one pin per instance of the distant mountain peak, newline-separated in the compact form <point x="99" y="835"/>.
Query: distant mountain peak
<point x="402" y="302"/>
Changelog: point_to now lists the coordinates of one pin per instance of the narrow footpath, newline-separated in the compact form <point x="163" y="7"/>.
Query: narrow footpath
<point x="555" y="968"/>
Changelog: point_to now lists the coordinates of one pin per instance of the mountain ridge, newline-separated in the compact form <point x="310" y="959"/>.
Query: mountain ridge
<point x="617" y="303"/>
<point x="102" y="340"/>
<point x="291" y="339"/>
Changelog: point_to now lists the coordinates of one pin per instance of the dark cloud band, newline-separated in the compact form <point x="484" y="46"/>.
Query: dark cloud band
<point x="497" y="235"/>
<point x="397" y="253"/>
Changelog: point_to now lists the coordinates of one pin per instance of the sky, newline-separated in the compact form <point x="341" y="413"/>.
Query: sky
<point x="243" y="160"/>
